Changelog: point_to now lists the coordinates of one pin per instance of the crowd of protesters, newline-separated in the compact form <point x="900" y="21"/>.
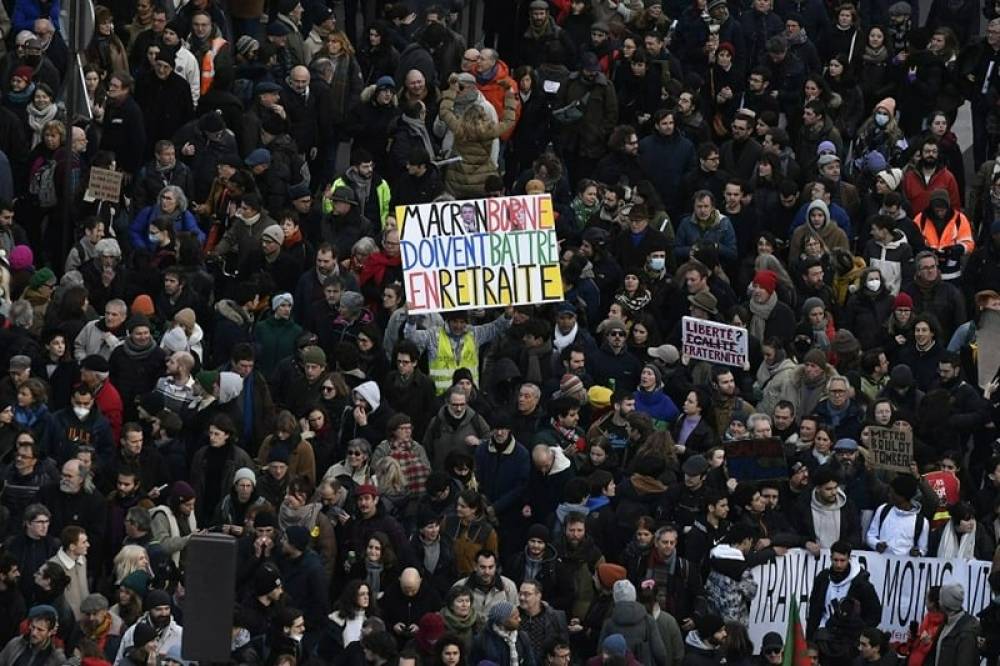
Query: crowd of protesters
<point x="224" y="345"/>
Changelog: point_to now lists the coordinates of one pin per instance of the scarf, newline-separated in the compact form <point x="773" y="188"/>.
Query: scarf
<point x="305" y="515"/>
<point x="761" y="311"/>
<point x="102" y="629"/>
<point x="560" y="341"/>
<point x="485" y="77"/>
<point x="820" y="338"/>
<point x="568" y="435"/>
<point x="376" y="266"/>
<point x="875" y="56"/>
<point x="362" y="186"/>
<point x="537" y="32"/>
<point x="798" y="39"/>
<point x="20" y="98"/>
<point x="418" y="127"/>
<point x="37" y="119"/>
<point x="292" y="239"/>
<point x="954" y="546"/>
<point x="374" y="578"/>
<point x="510" y="638"/>
<point x="635" y="302"/>
<point x="458" y="624"/>
<point x="135" y="352"/>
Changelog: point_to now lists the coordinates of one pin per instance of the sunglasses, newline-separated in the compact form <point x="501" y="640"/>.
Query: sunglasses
<point x="355" y="453"/>
<point x="617" y="334"/>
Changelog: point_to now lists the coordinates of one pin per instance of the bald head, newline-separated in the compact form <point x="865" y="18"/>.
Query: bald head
<point x="409" y="581"/>
<point x="542" y="456"/>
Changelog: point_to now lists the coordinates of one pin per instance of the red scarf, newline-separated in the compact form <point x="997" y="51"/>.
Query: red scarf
<point x="375" y="266"/>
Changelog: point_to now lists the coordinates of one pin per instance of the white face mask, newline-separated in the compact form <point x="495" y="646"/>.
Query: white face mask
<point x="657" y="263"/>
<point x="81" y="412"/>
<point x="881" y="119"/>
<point x="873" y="284"/>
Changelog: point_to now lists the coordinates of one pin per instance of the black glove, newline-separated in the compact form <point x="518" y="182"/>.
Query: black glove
<point x="955" y="252"/>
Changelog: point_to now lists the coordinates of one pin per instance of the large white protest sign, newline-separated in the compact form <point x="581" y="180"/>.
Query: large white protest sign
<point x="479" y="253"/>
<point x="900" y="582"/>
<point x="704" y="340"/>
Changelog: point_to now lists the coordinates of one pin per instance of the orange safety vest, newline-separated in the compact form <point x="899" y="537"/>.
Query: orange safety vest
<point x="208" y="64"/>
<point x="957" y="231"/>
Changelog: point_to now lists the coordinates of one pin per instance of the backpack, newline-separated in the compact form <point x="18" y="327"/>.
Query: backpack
<point x="918" y="527"/>
<point x="43" y="185"/>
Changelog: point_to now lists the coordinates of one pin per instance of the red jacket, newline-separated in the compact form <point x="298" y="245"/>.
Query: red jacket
<point x="919" y="193"/>
<point x="494" y="94"/>
<point x="109" y="401"/>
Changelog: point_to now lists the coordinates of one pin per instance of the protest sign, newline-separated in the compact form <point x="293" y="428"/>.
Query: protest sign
<point x="900" y="582"/>
<point x="891" y="448"/>
<point x="704" y="340"/>
<point x="756" y="459"/>
<point x="105" y="184"/>
<point x="479" y="253"/>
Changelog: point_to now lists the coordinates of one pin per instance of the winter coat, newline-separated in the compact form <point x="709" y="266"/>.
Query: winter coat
<point x="666" y="159"/>
<point x="587" y="137"/>
<point x="503" y="474"/>
<point x="859" y="589"/>
<point x="473" y="142"/>
<point x="443" y="436"/>
<point x="630" y="619"/>
<point x="276" y="339"/>
<point x="957" y="647"/>
<point x="718" y="230"/>
<point x="730" y="586"/>
<point x="139" y="228"/>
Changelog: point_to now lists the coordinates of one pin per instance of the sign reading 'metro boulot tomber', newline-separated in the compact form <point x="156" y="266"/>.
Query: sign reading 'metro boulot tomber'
<point x="891" y="448"/>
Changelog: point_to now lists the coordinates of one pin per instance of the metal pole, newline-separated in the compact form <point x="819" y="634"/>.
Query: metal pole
<point x="72" y="95"/>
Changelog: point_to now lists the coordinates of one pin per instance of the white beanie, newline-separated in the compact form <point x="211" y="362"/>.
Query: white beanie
<point x="245" y="473"/>
<point x="623" y="590"/>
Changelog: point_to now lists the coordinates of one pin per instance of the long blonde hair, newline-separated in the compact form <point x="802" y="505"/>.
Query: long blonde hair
<point x="129" y="560"/>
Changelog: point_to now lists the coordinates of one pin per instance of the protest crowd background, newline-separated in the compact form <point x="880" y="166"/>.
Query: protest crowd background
<point x="750" y="370"/>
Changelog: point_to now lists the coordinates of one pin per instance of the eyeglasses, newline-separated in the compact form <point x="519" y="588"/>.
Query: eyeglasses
<point x="616" y="334"/>
<point x="772" y="651"/>
<point x="355" y="453"/>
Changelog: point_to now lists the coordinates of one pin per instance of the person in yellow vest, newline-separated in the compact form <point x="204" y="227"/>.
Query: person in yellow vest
<point x="453" y="345"/>
<point x="213" y="53"/>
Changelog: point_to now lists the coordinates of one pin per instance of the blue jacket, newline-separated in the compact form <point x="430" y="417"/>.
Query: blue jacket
<point x="488" y="645"/>
<point x="26" y="11"/>
<point x="139" y="228"/>
<point x="503" y="476"/>
<point x="721" y="233"/>
<point x="69" y="433"/>
<point x="658" y="405"/>
<point x="665" y="159"/>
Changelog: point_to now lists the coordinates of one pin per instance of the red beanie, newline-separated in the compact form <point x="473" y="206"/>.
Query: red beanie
<point x="766" y="280"/>
<point x="903" y="300"/>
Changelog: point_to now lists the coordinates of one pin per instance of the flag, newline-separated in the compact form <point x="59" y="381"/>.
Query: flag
<point x="795" y="639"/>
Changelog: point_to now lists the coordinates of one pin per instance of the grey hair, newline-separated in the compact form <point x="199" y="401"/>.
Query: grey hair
<point x="118" y="304"/>
<point x="365" y="244"/>
<point x="182" y="200"/>
<point x="22" y="314"/>
<point x="361" y="443"/>
<point x="758" y="416"/>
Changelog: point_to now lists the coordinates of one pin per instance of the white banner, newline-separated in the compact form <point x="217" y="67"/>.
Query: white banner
<point x="900" y="582"/>
<point x="704" y="340"/>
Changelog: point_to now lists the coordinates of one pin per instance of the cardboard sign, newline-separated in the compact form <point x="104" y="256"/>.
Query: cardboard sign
<point x="756" y="459"/>
<point x="900" y="582"/>
<point x="105" y="184"/>
<point x="891" y="448"/>
<point x="704" y="340"/>
<point x="479" y="253"/>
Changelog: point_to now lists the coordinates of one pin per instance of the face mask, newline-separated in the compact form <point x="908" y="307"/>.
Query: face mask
<point x="881" y="119"/>
<point x="657" y="263"/>
<point x="873" y="284"/>
<point x="81" y="412"/>
<point x="154" y="239"/>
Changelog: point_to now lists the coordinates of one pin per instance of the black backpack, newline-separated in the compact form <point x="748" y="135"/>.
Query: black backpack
<point x="918" y="527"/>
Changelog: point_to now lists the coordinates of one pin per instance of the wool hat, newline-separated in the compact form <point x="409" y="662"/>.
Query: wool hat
<point x="313" y="354"/>
<point x="344" y="194"/>
<point x="366" y="489"/>
<point x="143" y="633"/>
<point x="771" y="640"/>
<point x="565" y="307"/>
<point x="902" y="300"/>
<point x="138" y="320"/>
<point x="539" y="4"/>
<point x="766" y="280"/>
<point x="21" y="258"/>
<point x="274" y="233"/>
<point x="352" y="301"/>
<point x="207" y="379"/>
<point x="940" y="196"/>
<point x="297" y="537"/>
<point x="95" y="363"/>
<point x="666" y="353"/>
<point x="875" y="162"/>
<point x="707" y="625"/>
<point x="599" y="397"/>
<point x="846" y="444"/>
<point x="540" y="532"/>
<point x="182" y="490"/>
<point x="716" y="3"/>
<point x="500" y="612"/>
<point x="904" y="485"/>
<point x="178" y="27"/>
<point x="244" y="473"/>
<point x="623" y="590"/>
<point x="891" y="177"/>
<point x="901" y="8"/>
<point x="93" y="603"/>
<point x="43" y="610"/>
<point x="600" y="26"/>
<point x="901" y="376"/>
<point x="280" y="299"/>
<point x="142" y="305"/>
<point x="277" y="29"/>
<point x="462" y="374"/>
<point x="952" y="597"/>
<point x="23" y="72"/>
<point x="705" y="300"/>
<point x="430" y="629"/>
<point x="728" y="47"/>
<point x="614" y="644"/>
<point x="385" y="82"/>
<point x="166" y="55"/>
<point x="246" y="45"/>
<point x="156" y="599"/>
<point x="211" y="123"/>
<point x="298" y="191"/>
<point x="266" y="519"/>
<point x="138" y="582"/>
<point x="816" y="357"/>
<point x="609" y="574"/>
<point x="466" y="78"/>
<point x="589" y="62"/>
<point x="696" y="465"/>
<point x="826" y="148"/>
<point x="258" y="157"/>
<point x="569" y="383"/>
<point x="811" y="304"/>
<point x="43" y="276"/>
<point x="889" y="104"/>
<point x="596" y="236"/>
<point x="611" y="324"/>
<point x="19" y="362"/>
<point x="844" y="343"/>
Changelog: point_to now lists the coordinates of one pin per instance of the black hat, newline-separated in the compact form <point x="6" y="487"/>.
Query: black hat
<point x="178" y="26"/>
<point x="266" y="87"/>
<point x="266" y="579"/>
<point x="265" y="519"/>
<point x="707" y="625"/>
<point x="273" y="124"/>
<point x="426" y="515"/>
<point x="155" y="599"/>
<point x="95" y="363"/>
<point x="540" y="532"/>
<point x="143" y="633"/>
<point x="211" y="122"/>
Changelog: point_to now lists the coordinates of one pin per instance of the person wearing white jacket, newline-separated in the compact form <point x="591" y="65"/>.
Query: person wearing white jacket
<point x="897" y="527"/>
